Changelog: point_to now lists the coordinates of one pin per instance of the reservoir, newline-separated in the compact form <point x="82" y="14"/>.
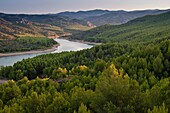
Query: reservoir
<point x="65" y="45"/>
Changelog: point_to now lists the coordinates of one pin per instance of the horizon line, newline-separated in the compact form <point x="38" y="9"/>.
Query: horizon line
<point x="83" y="10"/>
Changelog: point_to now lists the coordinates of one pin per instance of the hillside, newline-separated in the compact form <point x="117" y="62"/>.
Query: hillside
<point x="24" y="27"/>
<point x="21" y="32"/>
<point x="102" y="17"/>
<point x="134" y="60"/>
<point x="44" y="25"/>
<point x="84" y="14"/>
<point x="60" y="21"/>
<point x="24" y="35"/>
<point x="10" y="31"/>
<point x="144" y="29"/>
<point x="121" y="17"/>
<point x="90" y="80"/>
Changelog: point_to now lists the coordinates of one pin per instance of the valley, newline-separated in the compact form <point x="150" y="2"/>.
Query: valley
<point x="103" y="17"/>
<point x="20" y="33"/>
<point x="8" y="59"/>
<point x="143" y="30"/>
<point x="126" y="71"/>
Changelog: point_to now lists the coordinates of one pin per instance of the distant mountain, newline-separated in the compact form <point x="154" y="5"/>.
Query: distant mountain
<point x="13" y="25"/>
<point x="65" y="23"/>
<point x="84" y="14"/>
<point x="9" y="30"/>
<point x="102" y="17"/>
<point x="23" y="35"/>
<point x="121" y="17"/>
<point x="145" y="29"/>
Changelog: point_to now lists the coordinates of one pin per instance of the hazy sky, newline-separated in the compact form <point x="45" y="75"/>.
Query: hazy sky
<point x="54" y="6"/>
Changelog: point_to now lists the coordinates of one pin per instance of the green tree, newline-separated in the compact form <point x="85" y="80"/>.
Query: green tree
<point x="99" y="65"/>
<point x="159" y="109"/>
<point x="58" y="105"/>
<point x="83" y="109"/>
<point x="158" y="65"/>
<point x="113" y="93"/>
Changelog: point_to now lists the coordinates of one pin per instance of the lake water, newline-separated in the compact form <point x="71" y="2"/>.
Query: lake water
<point x="65" y="45"/>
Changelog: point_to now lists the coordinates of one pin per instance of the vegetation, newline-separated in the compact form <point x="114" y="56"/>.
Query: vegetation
<point x="102" y="17"/>
<point x="127" y="76"/>
<point x="145" y="29"/>
<point x="121" y="17"/>
<point x="101" y="79"/>
<point x="26" y="44"/>
<point x="44" y="25"/>
<point x="84" y="14"/>
<point x="10" y="31"/>
<point x="15" y="27"/>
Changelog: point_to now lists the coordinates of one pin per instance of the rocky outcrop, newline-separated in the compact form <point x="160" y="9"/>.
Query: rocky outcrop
<point x="90" y="24"/>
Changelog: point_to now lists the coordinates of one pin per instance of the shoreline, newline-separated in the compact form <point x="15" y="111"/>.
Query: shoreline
<point x="30" y="52"/>
<point x="46" y="50"/>
<point x="85" y="42"/>
<point x="82" y="41"/>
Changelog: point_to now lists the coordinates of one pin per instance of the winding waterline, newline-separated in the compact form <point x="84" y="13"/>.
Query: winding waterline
<point x="65" y="45"/>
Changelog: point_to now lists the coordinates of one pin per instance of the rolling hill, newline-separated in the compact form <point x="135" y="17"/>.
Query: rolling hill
<point x="9" y="30"/>
<point x="23" y="27"/>
<point x="84" y="14"/>
<point x="144" y="29"/>
<point x="102" y="17"/>
<point x="23" y="37"/>
<point x="42" y="25"/>
<point x="134" y="60"/>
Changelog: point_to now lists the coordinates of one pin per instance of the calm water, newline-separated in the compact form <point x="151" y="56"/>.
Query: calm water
<point x="65" y="45"/>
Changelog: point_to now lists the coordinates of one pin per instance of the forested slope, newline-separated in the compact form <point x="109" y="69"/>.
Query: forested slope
<point x="102" y="17"/>
<point x="14" y="27"/>
<point x="145" y="29"/>
<point x="121" y="17"/>
<point x="102" y="79"/>
<point x="26" y="44"/>
<point x="117" y="77"/>
<point x="22" y="37"/>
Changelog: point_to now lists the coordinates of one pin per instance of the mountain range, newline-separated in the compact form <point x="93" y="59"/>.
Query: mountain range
<point x="102" y="17"/>
<point x="64" y="23"/>
<point x="13" y="25"/>
<point x="144" y="29"/>
<point x="128" y="73"/>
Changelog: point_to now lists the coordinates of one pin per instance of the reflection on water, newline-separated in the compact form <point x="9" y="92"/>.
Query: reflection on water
<point x="65" y="45"/>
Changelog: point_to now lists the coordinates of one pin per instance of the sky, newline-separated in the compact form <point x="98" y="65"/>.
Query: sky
<point x="55" y="6"/>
